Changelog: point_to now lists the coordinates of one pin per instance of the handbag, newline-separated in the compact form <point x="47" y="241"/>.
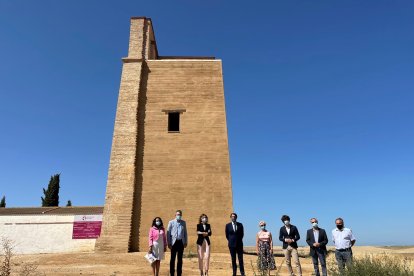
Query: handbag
<point x="150" y="258"/>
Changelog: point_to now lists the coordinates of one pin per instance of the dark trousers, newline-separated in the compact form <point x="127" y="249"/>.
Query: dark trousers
<point x="343" y="258"/>
<point x="177" y="249"/>
<point x="239" y="252"/>
<point x="319" y="256"/>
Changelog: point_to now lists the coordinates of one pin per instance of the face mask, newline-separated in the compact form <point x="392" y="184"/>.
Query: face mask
<point x="339" y="226"/>
<point x="287" y="222"/>
<point x="178" y="217"/>
<point x="315" y="225"/>
<point x="158" y="223"/>
<point x="263" y="227"/>
<point x="204" y="220"/>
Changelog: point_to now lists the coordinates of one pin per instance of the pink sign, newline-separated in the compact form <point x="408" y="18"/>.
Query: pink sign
<point x="87" y="226"/>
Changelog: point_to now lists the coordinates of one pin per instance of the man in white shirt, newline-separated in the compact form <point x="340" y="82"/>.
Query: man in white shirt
<point x="343" y="240"/>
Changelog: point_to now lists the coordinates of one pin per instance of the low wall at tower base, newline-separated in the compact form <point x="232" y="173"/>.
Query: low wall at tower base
<point x="35" y="230"/>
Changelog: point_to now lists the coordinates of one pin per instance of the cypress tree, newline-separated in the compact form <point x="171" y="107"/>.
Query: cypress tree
<point x="3" y="202"/>
<point x="51" y="195"/>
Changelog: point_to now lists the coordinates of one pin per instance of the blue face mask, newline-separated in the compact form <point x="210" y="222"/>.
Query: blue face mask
<point x="178" y="217"/>
<point x="315" y="225"/>
<point x="263" y="227"/>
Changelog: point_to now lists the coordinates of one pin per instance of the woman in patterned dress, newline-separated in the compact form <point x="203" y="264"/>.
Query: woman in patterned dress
<point x="157" y="240"/>
<point x="264" y="249"/>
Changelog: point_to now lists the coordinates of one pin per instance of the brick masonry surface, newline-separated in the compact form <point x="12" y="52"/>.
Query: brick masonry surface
<point x="154" y="172"/>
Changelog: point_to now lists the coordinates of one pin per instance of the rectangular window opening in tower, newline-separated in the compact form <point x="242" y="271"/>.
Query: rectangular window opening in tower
<point x="174" y="122"/>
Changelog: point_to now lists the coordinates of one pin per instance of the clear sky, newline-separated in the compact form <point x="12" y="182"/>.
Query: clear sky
<point x="319" y="98"/>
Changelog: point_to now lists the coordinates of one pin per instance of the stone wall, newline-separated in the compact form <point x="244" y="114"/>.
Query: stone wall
<point x="154" y="172"/>
<point x="122" y="176"/>
<point x="189" y="170"/>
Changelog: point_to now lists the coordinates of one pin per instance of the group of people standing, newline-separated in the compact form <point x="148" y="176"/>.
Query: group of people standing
<point x="176" y="239"/>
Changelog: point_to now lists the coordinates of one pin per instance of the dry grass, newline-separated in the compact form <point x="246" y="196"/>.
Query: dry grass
<point x="135" y="264"/>
<point x="8" y="264"/>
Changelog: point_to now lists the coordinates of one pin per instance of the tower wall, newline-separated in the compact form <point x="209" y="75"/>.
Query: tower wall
<point x="122" y="176"/>
<point x="188" y="170"/>
<point x="154" y="172"/>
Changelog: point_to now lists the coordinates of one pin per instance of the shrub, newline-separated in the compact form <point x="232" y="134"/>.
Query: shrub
<point x="189" y="254"/>
<point x="264" y="272"/>
<point x="370" y="265"/>
<point x="7" y="247"/>
<point x="7" y="254"/>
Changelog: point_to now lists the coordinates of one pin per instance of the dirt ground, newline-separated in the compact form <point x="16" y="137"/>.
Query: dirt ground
<point x="135" y="264"/>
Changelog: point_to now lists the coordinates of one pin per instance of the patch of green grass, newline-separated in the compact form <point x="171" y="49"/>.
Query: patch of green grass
<point x="189" y="254"/>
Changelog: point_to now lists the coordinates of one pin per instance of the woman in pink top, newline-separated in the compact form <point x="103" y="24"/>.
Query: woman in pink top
<point x="264" y="249"/>
<point x="157" y="244"/>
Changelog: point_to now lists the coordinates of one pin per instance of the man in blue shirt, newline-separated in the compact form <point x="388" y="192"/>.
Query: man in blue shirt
<point x="177" y="240"/>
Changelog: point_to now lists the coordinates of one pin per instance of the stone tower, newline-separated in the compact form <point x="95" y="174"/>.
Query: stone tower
<point x="169" y="148"/>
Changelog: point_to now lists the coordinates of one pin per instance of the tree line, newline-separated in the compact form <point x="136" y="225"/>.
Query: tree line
<point x="50" y="195"/>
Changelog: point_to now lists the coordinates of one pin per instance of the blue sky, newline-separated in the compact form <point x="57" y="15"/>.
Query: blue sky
<point x="319" y="97"/>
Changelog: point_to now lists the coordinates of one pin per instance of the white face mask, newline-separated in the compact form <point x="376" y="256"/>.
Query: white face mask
<point x="204" y="220"/>
<point x="315" y="225"/>
<point x="158" y="223"/>
<point x="287" y="222"/>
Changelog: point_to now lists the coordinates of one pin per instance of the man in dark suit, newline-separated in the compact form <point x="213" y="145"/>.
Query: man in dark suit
<point x="289" y="235"/>
<point x="317" y="240"/>
<point x="234" y="234"/>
